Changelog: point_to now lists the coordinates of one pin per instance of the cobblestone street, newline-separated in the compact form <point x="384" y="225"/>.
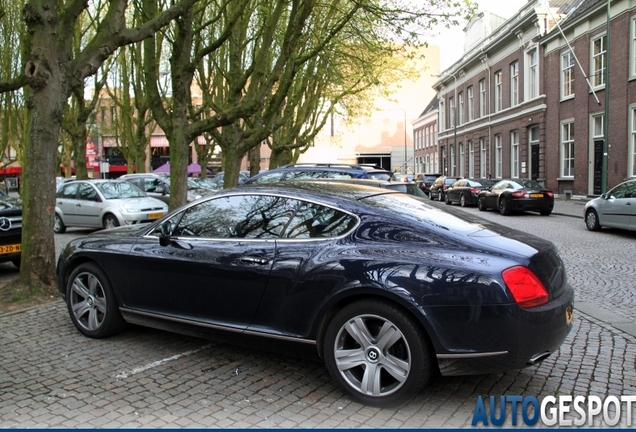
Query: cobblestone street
<point x="52" y="376"/>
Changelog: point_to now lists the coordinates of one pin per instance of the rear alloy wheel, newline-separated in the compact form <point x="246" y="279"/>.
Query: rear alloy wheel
<point x="503" y="207"/>
<point x="462" y="200"/>
<point x="92" y="303"/>
<point x="481" y="204"/>
<point x="591" y="220"/>
<point x="58" y="225"/>
<point x="110" y="221"/>
<point x="377" y="353"/>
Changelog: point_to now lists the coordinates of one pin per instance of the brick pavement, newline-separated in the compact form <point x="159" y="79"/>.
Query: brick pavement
<point x="51" y="376"/>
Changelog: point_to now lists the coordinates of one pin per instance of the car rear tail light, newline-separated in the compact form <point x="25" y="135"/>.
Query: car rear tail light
<point x="474" y="190"/>
<point x="549" y="194"/>
<point x="525" y="286"/>
<point x="518" y="194"/>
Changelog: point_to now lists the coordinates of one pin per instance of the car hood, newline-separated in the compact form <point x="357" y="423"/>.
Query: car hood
<point x="142" y="203"/>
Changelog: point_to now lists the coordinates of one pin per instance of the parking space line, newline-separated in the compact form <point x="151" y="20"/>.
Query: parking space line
<point x="126" y="374"/>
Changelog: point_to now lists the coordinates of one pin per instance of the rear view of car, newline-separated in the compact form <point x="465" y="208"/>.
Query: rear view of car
<point x="424" y="181"/>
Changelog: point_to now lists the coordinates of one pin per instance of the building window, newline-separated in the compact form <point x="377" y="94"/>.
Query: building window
<point x="471" y="104"/>
<point x="482" y="98"/>
<point x="532" y="62"/>
<point x="567" y="75"/>
<point x="514" y="84"/>
<point x="599" y="58"/>
<point x="598" y="127"/>
<point x="442" y="116"/>
<point x="632" y="62"/>
<point x="514" y="154"/>
<point x="443" y="162"/>
<point x="460" y="112"/>
<point x="498" y="157"/>
<point x="462" y="160"/>
<point x="632" y="143"/>
<point x="498" y="91"/>
<point x="451" y="107"/>
<point x="567" y="149"/>
<point x="483" y="159"/>
<point x="453" y="163"/>
<point x="471" y="160"/>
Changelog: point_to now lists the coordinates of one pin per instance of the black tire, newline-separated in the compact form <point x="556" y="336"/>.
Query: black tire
<point x="409" y="356"/>
<point x="545" y="212"/>
<point x="462" y="200"/>
<point x="91" y="302"/>
<point x="58" y="225"/>
<point x="440" y="196"/>
<point x="16" y="261"/>
<point x="503" y="207"/>
<point x="447" y="200"/>
<point x="481" y="204"/>
<point x="591" y="220"/>
<point x="110" y="221"/>
<point x="430" y="196"/>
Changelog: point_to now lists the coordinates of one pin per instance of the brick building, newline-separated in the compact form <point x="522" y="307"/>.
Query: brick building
<point x="575" y="103"/>
<point x="511" y="105"/>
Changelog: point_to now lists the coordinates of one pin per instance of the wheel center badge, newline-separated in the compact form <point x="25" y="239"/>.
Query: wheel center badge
<point x="89" y="301"/>
<point x="373" y="355"/>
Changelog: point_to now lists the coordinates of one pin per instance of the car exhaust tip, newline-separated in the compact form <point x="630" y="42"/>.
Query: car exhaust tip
<point x="538" y="358"/>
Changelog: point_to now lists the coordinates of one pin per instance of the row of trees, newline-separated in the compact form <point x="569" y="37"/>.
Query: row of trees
<point x="264" y="70"/>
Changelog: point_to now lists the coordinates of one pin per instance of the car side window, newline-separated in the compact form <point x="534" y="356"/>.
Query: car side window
<point x="303" y="175"/>
<point x="620" y="192"/>
<point x="87" y="192"/>
<point x="68" y="191"/>
<point x="316" y="221"/>
<point x="242" y="216"/>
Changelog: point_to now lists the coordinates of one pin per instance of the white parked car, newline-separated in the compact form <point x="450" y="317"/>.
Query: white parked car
<point x="615" y="209"/>
<point x="104" y="204"/>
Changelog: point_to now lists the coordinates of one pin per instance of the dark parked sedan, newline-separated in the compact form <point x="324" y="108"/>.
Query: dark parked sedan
<point x="440" y="185"/>
<point x="383" y="286"/>
<point x="516" y="195"/>
<point x="466" y="191"/>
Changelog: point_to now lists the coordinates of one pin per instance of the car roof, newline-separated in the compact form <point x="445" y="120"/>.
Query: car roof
<point x="322" y="191"/>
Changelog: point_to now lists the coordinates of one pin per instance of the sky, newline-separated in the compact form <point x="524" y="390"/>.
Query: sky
<point x="451" y="42"/>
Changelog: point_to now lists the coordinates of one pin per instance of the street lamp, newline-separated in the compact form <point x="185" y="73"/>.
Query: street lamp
<point x="454" y="113"/>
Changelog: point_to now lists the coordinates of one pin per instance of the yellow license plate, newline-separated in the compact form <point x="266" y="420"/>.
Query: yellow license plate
<point x="536" y="195"/>
<point x="9" y="249"/>
<point x="155" y="215"/>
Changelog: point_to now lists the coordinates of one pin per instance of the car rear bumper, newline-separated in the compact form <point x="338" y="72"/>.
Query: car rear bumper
<point x="499" y="338"/>
<point x="531" y="205"/>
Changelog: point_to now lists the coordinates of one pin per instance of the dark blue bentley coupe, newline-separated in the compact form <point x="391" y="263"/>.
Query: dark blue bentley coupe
<point x="385" y="288"/>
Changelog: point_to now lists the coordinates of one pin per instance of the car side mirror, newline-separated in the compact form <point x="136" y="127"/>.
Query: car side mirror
<point x="161" y="190"/>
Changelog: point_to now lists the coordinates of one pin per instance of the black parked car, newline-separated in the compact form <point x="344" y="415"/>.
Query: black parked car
<point x="306" y="171"/>
<point x="425" y="180"/>
<point x="515" y="195"/>
<point x="466" y="191"/>
<point x="10" y="229"/>
<point x="383" y="286"/>
<point x="440" y="185"/>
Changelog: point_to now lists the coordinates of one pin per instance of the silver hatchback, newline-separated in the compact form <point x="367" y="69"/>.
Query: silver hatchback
<point x="616" y="208"/>
<point x="103" y="204"/>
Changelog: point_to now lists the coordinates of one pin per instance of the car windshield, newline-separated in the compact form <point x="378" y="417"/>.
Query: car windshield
<point x="119" y="190"/>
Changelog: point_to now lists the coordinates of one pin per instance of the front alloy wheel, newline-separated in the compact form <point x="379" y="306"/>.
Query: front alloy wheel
<point x="591" y="220"/>
<point x="377" y="353"/>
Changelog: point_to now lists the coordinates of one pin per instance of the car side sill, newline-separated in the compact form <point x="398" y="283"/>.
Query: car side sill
<point x="470" y="355"/>
<point x="135" y="317"/>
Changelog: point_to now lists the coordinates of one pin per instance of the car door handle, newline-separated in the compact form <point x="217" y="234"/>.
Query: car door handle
<point x="254" y="260"/>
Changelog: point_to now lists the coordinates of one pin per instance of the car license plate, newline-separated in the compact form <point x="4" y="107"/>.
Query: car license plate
<point x="154" y="215"/>
<point x="536" y="195"/>
<point x="8" y="249"/>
